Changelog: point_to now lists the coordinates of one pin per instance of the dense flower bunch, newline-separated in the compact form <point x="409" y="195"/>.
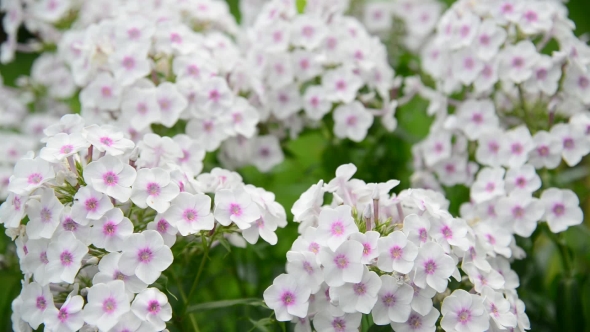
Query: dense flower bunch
<point x="419" y="19"/>
<point x="521" y="112"/>
<point x="94" y="218"/>
<point x="299" y="67"/>
<point x="47" y="19"/>
<point x="391" y="256"/>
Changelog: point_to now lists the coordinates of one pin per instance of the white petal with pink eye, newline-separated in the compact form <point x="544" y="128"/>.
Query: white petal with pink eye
<point x="360" y="296"/>
<point x="108" y="270"/>
<point x="130" y="63"/>
<point x="103" y="92"/>
<point x="12" y="210"/>
<point x="465" y="312"/>
<point x="153" y="188"/>
<point x="62" y="146"/>
<point x="68" y="317"/>
<point x="162" y="226"/>
<point x="190" y="213"/>
<point x="89" y="205"/>
<point x="393" y="302"/>
<point x="396" y="253"/>
<point x="30" y="174"/>
<point x="36" y="300"/>
<point x="433" y="267"/>
<point x="44" y="214"/>
<point x="112" y="176"/>
<point x="263" y="227"/>
<point x="561" y="209"/>
<point x="145" y="255"/>
<point x="171" y="103"/>
<point x="304" y="267"/>
<point x="64" y="256"/>
<point x="235" y="206"/>
<point x="352" y="121"/>
<point x="370" y="241"/>
<point x="267" y="152"/>
<point x="106" y="304"/>
<point x="140" y="107"/>
<point x="111" y="231"/>
<point x="343" y="265"/>
<point x="341" y="85"/>
<point x="108" y="139"/>
<point x="151" y="305"/>
<point x="336" y="225"/>
<point x="287" y="297"/>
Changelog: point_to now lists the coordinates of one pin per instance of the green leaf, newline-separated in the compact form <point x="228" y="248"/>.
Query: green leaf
<point x="262" y="324"/>
<point x="225" y="304"/>
<point x="300" y="5"/>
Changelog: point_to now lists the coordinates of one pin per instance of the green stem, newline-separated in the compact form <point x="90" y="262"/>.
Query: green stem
<point x="563" y="251"/>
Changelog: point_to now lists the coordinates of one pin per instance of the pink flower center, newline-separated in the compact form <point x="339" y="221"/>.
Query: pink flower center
<point x="142" y="108"/>
<point x="235" y="210"/>
<point x="337" y="228"/>
<point x="477" y="118"/>
<point x="109" y="305"/>
<point x="490" y="187"/>
<point x="541" y="74"/>
<point x="339" y="324"/>
<point x="106" y="91"/>
<point x="214" y="95"/>
<point x="484" y="39"/>
<point x="238" y="118"/>
<point x="118" y="275"/>
<point x="43" y="257"/>
<point x="62" y="315"/>
<point x="66" y="149"/>
<point x="91" y="204"/>
<point x="145" y="255"/>
<point x="517" y="62"/>
<point x="70" y="225"/>
<point x="307" y="267"/>
<point x="430" y="266"/>
<point x="341" y="85"/>
<point x="568" y="143"/>
<point x="558" y="209"/>
<point x="175" y="38"/>
<point x="531" y="16"/>
<point x="388" y="300"/>
<point x="133" y="33"/>
<point x="128" y="62"/>
<point x="314" y="247"/>
<point x="396" y="252"/>
<point x="45" y="215"/>
<point x="162" y="226"/>
<point x="423" y="235"/>
<point x="464" y="316"/>
<point x="153" y="189"/>
<point x="367" y="249"/>
<point x="583" y="82"/>
<point x="543" y="151"/>
<point x="154" y="307"/>
<point x="360" y="288"/>
<point x="469" y="63"/>
<point x="277" y="36"/>
<point x="341" y="261"/>
<point x="288" y="298"/>
<point x="307" y="31"/>
<point x="109" y="229"/>
<point x="304" y="64"/>
<point x="164" y="104"/>
<point x="41" y="303"/>
<point x="415" y="322"/>
<point x="66" y="258"/>
<point x="193" y="70"/>
<point x="447" y="232"/>
<point x="110" y="178"/>
<point x="35" y="178"/>
<point x="491" y="239"/>
<point x="106" y="141"/>
<point x="189" y="215"/>
<point x="351" y="121"/>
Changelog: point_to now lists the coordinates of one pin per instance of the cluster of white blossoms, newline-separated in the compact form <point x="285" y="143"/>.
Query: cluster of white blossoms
<point x="94" y="217"/>
<point x="418" y="19"/>
<point x="300" y="67"/>
<point x="521" y="112"/>
<point x="392" y="256"/>
<point x="48" y="19"/>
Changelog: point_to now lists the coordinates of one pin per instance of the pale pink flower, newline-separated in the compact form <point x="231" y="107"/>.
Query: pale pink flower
<point x="145" y="255"/>
<point x="287" y="297"/>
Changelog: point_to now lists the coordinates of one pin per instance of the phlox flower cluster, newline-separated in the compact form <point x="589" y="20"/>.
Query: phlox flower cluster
<point x="520" y="114"/>
<point x="391" y="256"/>
<point x="47" y="19"/>
<point x="300" y="68"/>
<point x="418" y="19"/>
<point x="94" y="217"/>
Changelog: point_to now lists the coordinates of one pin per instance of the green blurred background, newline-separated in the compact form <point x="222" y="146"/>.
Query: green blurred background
<point x="557" y="299"/>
